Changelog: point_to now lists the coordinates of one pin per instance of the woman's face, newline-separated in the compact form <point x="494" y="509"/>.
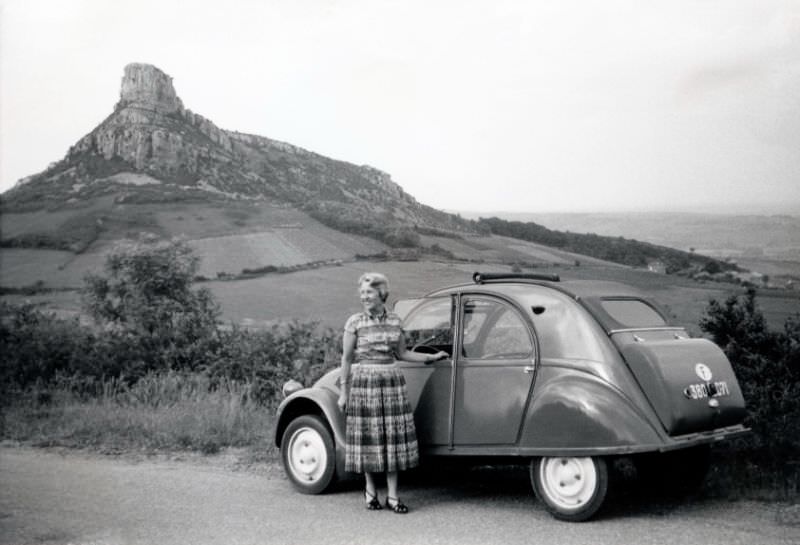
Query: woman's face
<point x="370" y="298"/>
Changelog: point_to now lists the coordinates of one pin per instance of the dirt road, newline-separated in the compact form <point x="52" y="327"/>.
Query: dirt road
<point x="46" y="497"/>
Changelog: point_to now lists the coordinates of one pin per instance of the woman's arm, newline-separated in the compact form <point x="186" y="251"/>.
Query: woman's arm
<point x="348" y="349"/>
<point x="407" y="355"/>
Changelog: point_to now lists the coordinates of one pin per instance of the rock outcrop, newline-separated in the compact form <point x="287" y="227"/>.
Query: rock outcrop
<point x="147" y="87"/>
<point x="150" y="132"/>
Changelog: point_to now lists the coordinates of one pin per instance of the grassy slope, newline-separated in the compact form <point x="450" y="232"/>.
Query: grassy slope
<point x="228" y="237"/>
<point x="329" y="294"/>
<point x="234" y="235"/>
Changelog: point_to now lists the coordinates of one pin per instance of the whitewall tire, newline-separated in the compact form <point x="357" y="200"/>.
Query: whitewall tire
<point x="308" y="454"/>
<point x="571" y="489"/>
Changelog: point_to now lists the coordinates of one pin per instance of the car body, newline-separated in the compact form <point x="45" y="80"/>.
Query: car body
<point x="566" y="375"/>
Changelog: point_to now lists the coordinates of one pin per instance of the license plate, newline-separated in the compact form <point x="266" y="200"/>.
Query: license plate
<point x="703" y="390"/>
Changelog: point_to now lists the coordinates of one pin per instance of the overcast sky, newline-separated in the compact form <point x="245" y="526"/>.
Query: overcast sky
<point x="486" y="106"/>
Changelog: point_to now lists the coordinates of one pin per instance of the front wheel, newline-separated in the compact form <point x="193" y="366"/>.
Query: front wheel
<point x="572" y="489"/>
<point x="308" y="454"/>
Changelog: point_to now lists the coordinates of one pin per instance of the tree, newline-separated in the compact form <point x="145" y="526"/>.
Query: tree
<point x="146" y="300"/>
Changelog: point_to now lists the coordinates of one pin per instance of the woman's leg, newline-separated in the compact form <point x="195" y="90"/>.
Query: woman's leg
<point x="370" y="478"/>
<point x="371" y="493"/>
<point x="393" y="501"/>
<point x="391" y="484"/>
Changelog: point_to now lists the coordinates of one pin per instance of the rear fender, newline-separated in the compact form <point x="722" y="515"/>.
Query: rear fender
<point x="575" y="412"/>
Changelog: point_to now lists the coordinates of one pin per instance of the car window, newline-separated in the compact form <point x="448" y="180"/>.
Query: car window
<point x="632" y="313"/>
<point x="564" y="329"/>
<point x="475" y="313"/>
<point x="494" y="330"/>
<point x="430" y="325"/>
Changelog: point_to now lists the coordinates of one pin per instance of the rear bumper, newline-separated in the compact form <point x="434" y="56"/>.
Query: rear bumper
<point x="702" y="438"/>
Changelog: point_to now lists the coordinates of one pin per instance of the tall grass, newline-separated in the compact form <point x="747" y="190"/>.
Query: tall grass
<point x="171" y="411"/>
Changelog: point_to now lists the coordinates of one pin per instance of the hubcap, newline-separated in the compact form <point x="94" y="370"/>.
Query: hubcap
<point x="307" y="456"/>
<point x="570" y="483"/>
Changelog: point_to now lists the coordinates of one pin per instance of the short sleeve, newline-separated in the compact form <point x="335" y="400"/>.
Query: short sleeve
<point x="351" y="323"/>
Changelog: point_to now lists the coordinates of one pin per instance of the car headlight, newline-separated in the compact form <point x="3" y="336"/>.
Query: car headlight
<point x="290" y="387"/>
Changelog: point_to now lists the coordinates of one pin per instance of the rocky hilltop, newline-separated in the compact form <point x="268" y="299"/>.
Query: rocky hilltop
<point x="153" y="149"/>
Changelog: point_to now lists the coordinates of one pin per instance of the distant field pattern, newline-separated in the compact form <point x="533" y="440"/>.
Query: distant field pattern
<point x="277" y="247"/>
<point x="21" y="267"/>
<point x="24" y="267"/>
<point x="233" y="253"/>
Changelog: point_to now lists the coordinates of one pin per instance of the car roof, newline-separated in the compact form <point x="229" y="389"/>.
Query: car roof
<point x="576" y="289"/>
<point x="589" y="293"/>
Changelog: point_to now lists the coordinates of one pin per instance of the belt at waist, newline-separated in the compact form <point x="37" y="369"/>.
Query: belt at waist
<point x="374" y="363"/>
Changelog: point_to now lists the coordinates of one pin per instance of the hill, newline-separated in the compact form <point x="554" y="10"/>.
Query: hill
<point x="767" y="244"/>
<point x="152" y="150"/>
<point x="246" y="203"/>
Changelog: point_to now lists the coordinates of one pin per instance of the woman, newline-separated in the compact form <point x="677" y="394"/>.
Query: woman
<point x="380" y="436"/>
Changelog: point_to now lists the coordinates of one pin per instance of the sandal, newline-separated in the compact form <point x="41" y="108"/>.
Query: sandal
<point x="399" y="507"/>
<point x="373" y="504"/>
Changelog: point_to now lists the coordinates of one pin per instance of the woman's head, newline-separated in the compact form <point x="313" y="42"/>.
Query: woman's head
<point x="373" y="282"/>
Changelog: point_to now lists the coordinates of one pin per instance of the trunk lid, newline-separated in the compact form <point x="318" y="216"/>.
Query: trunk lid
<point x="689" y="382"/>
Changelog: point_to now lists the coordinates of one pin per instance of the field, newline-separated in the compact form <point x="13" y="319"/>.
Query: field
<point x="228" y="238"/>
<point x="232" y="236"/>
<point x="328" y="294"/>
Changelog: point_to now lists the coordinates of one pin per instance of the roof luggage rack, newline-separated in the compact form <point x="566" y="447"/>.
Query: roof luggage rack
<point x="483" y="278"/>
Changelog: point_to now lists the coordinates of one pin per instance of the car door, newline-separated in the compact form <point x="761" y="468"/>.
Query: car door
<point x="494" y="372"/>
<point x="428" y="328"/>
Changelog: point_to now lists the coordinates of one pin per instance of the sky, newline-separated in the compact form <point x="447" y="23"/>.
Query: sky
<point x="519" y="106"/>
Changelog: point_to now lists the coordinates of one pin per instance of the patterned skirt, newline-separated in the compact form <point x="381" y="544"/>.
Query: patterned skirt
<point x="380" y="436"/>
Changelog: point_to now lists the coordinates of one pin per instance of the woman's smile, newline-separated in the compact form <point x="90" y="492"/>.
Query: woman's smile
<point x="370" y="299"/>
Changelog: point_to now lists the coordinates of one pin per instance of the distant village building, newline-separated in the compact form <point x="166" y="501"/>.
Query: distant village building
<point x="657" y="267"/>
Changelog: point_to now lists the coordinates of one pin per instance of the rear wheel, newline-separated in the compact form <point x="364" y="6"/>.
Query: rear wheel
<point x="572" y="489"/>
<point x="308" y="454"/>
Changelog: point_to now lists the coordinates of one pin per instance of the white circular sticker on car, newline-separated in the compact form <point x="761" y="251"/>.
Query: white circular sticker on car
<point x="702" y="371"/>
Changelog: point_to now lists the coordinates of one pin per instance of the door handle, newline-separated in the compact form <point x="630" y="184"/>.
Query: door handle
<point x="529" y="369"/>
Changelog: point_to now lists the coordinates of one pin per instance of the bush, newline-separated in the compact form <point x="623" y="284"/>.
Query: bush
<point x="149" y="319"/>
<point x="767" y="365"/>
<point x="36" y="347"/>
<point x="267" y="359"/>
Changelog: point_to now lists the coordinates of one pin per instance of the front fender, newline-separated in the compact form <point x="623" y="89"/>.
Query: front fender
<point x="578" y="413"/>
<point x="318" y="401"/>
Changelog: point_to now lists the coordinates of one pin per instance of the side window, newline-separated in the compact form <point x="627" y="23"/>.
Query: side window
<point x="494" y="330"/>
<point x="429" y="328"/>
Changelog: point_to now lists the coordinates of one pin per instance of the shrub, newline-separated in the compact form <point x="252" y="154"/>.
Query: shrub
<point x="767" y="365"/>
<point x="267" y="359"/>
<point x="37" y="346"/>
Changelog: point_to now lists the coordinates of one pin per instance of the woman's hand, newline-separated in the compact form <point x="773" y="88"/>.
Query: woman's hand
<point x="440" y="355"/>
<point x="342" y="400"/>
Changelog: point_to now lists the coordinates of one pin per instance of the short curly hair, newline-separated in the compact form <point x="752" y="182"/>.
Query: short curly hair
<point x="376" y="280"/>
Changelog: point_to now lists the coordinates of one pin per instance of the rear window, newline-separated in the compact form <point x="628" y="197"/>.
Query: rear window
<point x="633" y="313"/>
